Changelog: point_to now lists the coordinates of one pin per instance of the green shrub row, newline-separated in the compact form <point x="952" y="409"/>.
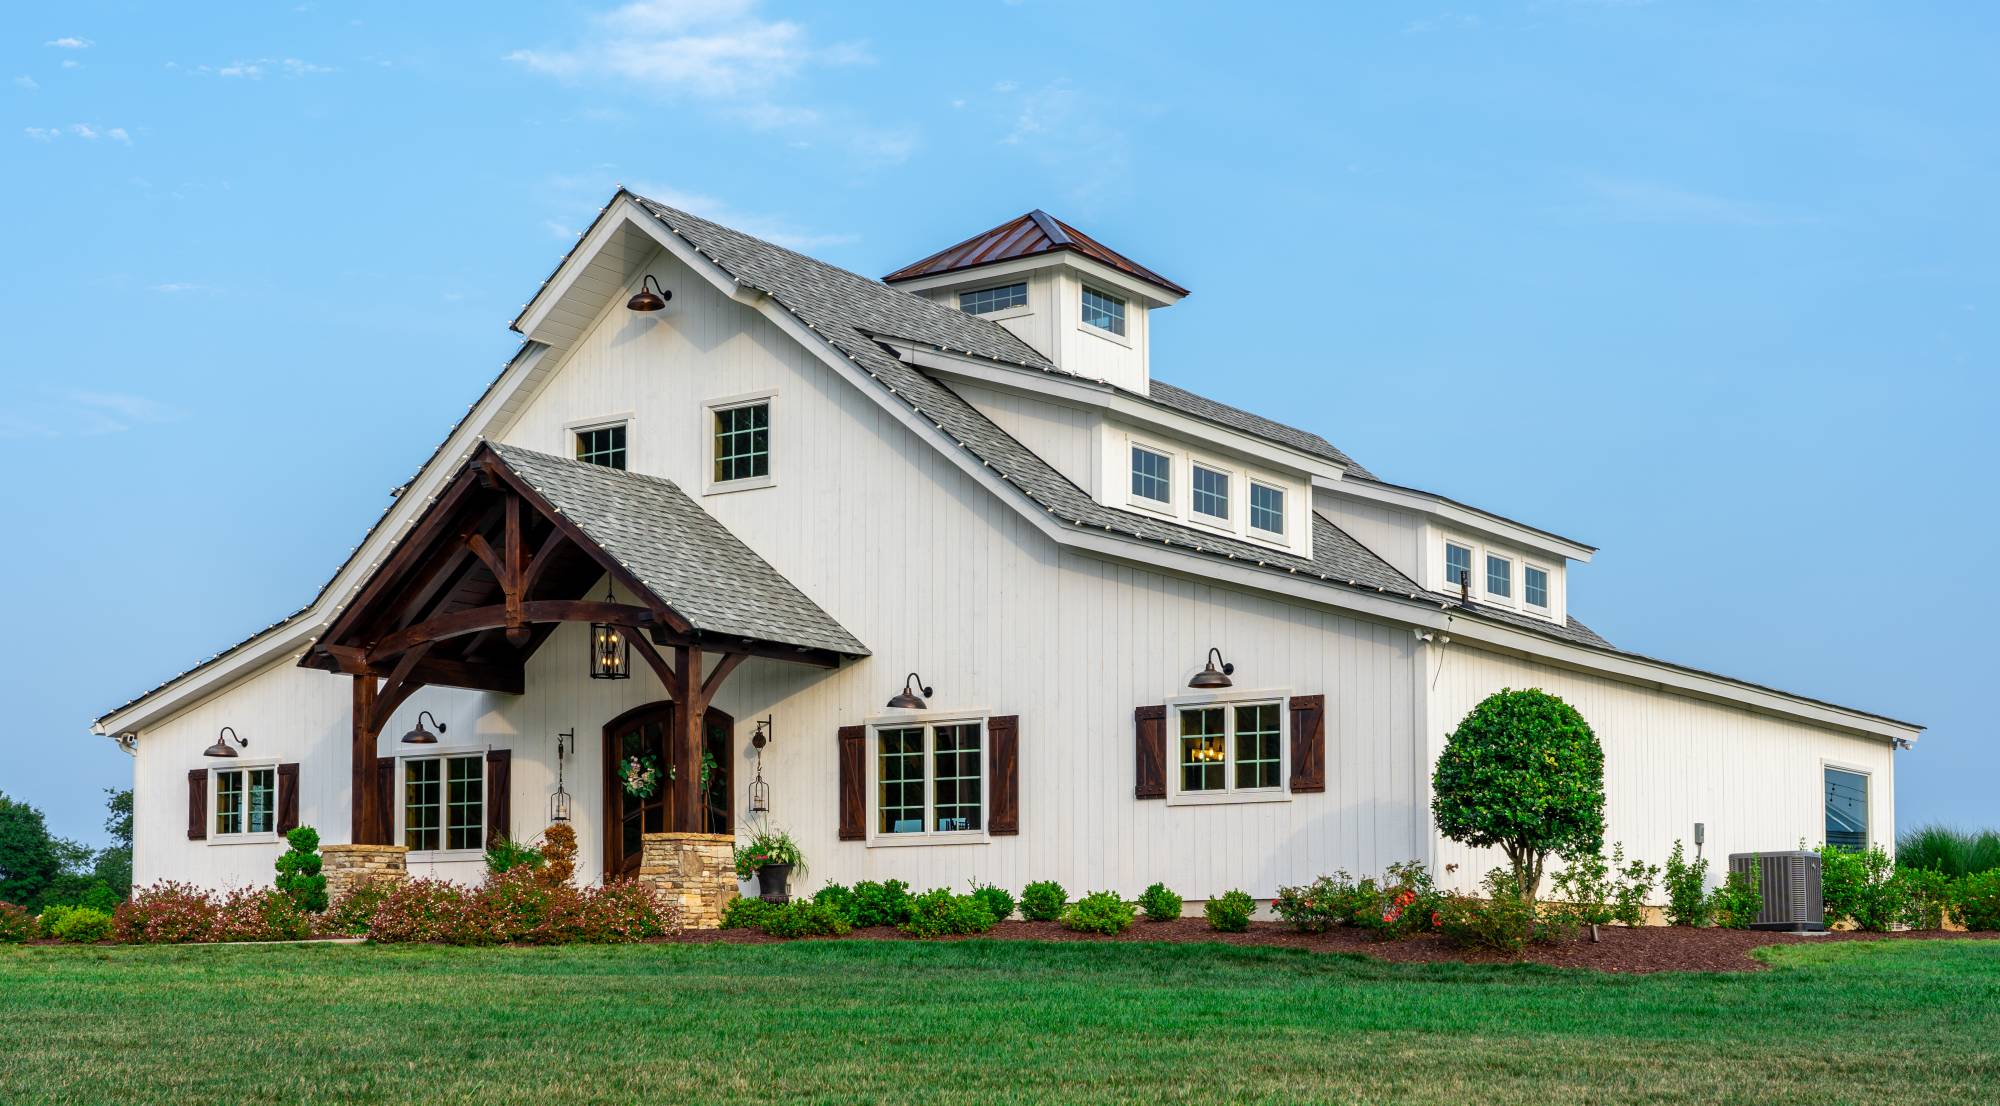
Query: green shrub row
<point x="1865" y="890"/>
<point x="836" y="909"/>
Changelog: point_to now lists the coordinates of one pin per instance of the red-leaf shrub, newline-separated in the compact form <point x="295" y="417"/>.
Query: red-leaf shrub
<point x="167" y="913"/>
<point x="519" y="906"/>
<point x="261" y="914"/>
<point x="428" y="910"/>
<point x="16" y="924"/>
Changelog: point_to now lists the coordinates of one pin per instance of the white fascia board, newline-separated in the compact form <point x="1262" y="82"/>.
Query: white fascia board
<point x="1097" y="395"/>
<point x="1145" y="291"/>
<point x="1462" y="516"/>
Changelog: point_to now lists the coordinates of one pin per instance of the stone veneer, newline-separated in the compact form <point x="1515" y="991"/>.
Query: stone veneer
<point x="693" y="872"/>
<point x="349" y="866"/>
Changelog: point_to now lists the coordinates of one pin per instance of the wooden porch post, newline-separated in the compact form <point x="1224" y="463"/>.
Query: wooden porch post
<point x="689" y="708"/>
<point x="365" y="805"/>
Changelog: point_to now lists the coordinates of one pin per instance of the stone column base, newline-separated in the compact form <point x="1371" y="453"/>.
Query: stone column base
<point x="693" y="872"/>
<point x="349" y="866"/>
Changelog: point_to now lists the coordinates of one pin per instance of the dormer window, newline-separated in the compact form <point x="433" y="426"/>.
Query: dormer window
<point x="1499" y="577"/>
<point x="1152" y="476"/>
<point x="1535" y="586"/>
<point x="985" y="301"/>
<point x="1457" y="564"/>
<point x="1267" y="508"/>
<point x="1211" y="493"/>
<point x="1103" y="311"/>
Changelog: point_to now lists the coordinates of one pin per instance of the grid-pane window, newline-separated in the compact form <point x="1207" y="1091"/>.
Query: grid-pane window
<point x="229" y="802"/>
<point x="422" y="805"/>
<point x="1457" y="564"/>
<point x="603" y="445"/>
<point x="465" y="803"/>
<point x="743" y="442"/>
<point x="1204" y="753"/>
<point x="900" y="768"/>
<point x="261" y="804"/>
<point x="1267" y="508"/>
<point x="956" y="805"/>
<point x="1256" y="746"/>
<point x="987" y="300"/>
<point x="1103" y="312"/>
<point x="1535" y="586"/>
<point x="1846" y="809"/>
<point x="1211" y="492"/>
<point x="1499" y="577"/>
<point x="1152" y="475"/>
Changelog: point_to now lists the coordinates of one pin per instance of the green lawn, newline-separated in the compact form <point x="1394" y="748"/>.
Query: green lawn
<point x="983" y="1022"/>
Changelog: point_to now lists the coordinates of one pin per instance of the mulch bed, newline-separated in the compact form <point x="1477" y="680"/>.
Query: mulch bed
<point x="1646" y="949"/>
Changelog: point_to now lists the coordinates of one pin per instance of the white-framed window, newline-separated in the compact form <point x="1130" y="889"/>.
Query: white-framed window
<point x="1267" y="508"/>
<point x="1228" y="749"/>
<point x="1209" y="492"/>
<point x="1846" y="807"/>
<point x="444" y="802"/>
<point x="927" y="780"/>
<point x="1457" y="564"/>
<point x="740" y="451"/>
<point x="1499" y="577"/>
<point x="601" y="445"/>
<point x="1535" y="586"/>
<point x="245" y="801"/>
<point x="986" y="301"/>
<point x="1152" y="476"/>
<point x="1103" y="310"/>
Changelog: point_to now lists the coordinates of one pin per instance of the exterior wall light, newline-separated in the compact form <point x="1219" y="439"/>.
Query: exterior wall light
<point x="1213" y="675"/>
<point x="420" y="736"/>
<point x="221" y="747"/>
<point x="651" y="297"/>
<point x="559" y="803"/>
<point x="913" y="695"/>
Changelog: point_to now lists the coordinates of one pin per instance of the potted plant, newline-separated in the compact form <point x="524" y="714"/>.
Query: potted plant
<point x="771" y="856"/>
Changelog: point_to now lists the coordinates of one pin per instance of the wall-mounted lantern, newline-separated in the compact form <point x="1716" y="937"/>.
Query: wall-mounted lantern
<point x="1213" y="675"/>
<point x="420" y="736"/>
<point x="913" y="695"/>
<point x="650" y="297"/>
<point x="760" y="792"/>
<point x="221" y="747"/>
<point x="559" y="804"/>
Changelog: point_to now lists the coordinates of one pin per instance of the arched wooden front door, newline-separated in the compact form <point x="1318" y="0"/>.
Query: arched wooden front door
<point x="647" y="732"/>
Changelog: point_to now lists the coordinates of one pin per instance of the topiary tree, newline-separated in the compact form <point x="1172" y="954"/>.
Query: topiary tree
<point x="1522" y="772"/>
<point x="298" y="871"/>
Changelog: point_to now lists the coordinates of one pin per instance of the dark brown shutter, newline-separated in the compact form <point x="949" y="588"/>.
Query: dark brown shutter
<point x="386" y="800"/>
<point x="499" y="774"/>
<point x="198" y="804"/>
<point x="288" y="798"/>
<point x="1003" y="734"/>
<point x="853" y="782"/>
<point x="1149" y="725"/>
<point x="1308" y="743"/>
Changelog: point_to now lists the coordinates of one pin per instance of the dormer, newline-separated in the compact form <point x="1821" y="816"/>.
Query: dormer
<point x="1079" y="303"/>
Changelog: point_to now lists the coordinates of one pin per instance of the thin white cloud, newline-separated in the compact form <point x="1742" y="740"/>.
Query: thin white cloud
<point x="256" y="69"/>
<point x="70" y="63"/>
<point x="771" y="228"/>
<point x="1636" y="200"/>
<point x="69" y="42"/>
<point x="1443" y="21"/>
<point x="42" y="134"/>
<point x="173" y="287"/>
<point x="27" y="82"/>
<point x="84" y="131"/>
<point x="117" y="134"/>
<point x="88" y="132"/>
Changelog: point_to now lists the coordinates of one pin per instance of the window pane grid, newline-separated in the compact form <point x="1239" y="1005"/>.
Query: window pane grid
<point x="263" y="817"/>
<point x="1457" y="565"/>
<point x="466" y="800"/>
<point x="743" y="442"/>
<point x="1152" y="475"/>
<point x="900" y="768"/>
<point x="229" y="802"/>
<point x="420" y="804"/>
<point x="1267" y="508"/>
<point x="987" y="300"/>
<point x="1499" y="577"/>
<point x="604" y="445"/>
<point x="1103" y="312"/>
<point x="1211" y="492"/>
<point x="957" y="803"/>
<point x="1257" y="746"/>
<point x="1202" y="749"/>
<point x="1535" y="586"/>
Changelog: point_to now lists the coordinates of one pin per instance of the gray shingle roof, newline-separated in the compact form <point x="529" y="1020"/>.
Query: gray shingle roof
<point x="680" y="552"/>
<point x="1201" y="407"/>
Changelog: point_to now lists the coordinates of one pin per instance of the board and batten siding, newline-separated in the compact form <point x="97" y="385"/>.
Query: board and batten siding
<point x="1670" y="760"/>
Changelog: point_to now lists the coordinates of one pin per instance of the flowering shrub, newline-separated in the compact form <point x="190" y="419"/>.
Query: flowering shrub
<point x="519" y="907"/>
<point x="167" y="913"/>
<point x="1160" y="904"/>
<point x="1401" y="906"/>
<point x="1230" y="912"/>
<point x="79" y="925"/>
<point x="1099" y="912"/>
<point x="16" y="924"/>
<point x="1976" y="901"/>
<point x="298" y="871"/>
<point x="765" y="849"/>
<point x="887" y="903"/>
<point x="940" y="913"/>
<point x="1043" y="901"/>
<point x="1317" y="906"/>
<point x="350" y="916"/>
<point x="429" y="910"/>
<point x="1504" y="921"/>
<point x="262" y="914"/>
<point x="997" y="900"/>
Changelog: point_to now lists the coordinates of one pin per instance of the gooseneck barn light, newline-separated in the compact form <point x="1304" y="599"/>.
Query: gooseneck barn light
<point x="913" y="695"/>
<point x="1213" y="675"/>
<point x="221" y="747"/>
<point x="420" y="736"/>
<point x="650" y="297"/>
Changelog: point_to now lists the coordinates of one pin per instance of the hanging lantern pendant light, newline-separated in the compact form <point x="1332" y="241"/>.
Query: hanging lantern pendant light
<point x="610" y="652"/>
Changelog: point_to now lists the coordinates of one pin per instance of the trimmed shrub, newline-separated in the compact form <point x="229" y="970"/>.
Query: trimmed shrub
<point x="1160" y="904"/>
<point x="167" y="913"/>
<point x="1522" y="772"/>
<point x="421" y="910"/>
<point x="559" y="853"/>
<point x="1861" y="888"/>
<point x="1230" y="912"/>
<point x="1735" y="904"/>
<point x="1926" y="897"/>
<point x="999" y="901"/>
<point x="1504" y="921"/>
<point x="839" y="897"/>
<point x="298" y="870"/>
<point x="1099" y="912"/>
<point x="519" y="907"/>
<point x="504" y="854"/>
<point x="350" y="916"/>
<point x="742" y="913"/>
<point x="1043" y="901"/>
<point x="886" y="903"/>
<point x="1975" y="901"/>
<point x="804" y="918"/>
<point x="1686" y="888"/>
<point x="16" y="924"/>
<point x="79" y="925"/>
<point x="940" y="913"/>
<point x="1317" y="906"/>
<point x="1401" y="906"/>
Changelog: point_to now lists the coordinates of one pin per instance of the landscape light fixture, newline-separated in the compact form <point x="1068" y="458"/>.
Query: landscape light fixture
<point x="1215" y="674"/>
<point x="651" y="297"/>
<point x="420" y="736"/>
<point x="913" y="695"/>
<point x="221" y="747"/>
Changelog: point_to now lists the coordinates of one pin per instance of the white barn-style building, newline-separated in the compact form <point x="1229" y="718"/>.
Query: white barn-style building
<point x="772" y="495"/>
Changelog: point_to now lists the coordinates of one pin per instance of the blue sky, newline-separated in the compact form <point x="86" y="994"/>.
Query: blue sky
<point x="1709" y="286"/>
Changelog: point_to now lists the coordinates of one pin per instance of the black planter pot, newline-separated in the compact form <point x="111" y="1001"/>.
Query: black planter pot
<point x="771" y="879"/>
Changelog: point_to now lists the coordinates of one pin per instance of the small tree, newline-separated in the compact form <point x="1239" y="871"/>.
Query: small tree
<point x="298" y="871"/>
<point x="1522" y="772"/>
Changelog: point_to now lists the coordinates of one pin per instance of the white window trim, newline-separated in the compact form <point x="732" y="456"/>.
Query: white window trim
<point x="1171" y="508"/>
<point x="927" y="719"/>
<point x="1283" y="532"/>
<point x="217" y="837"/>
<point x="1027" y="308"/>
<point x="1820" y="789"/>
<point x="709" y="410"/>
<point x="604" y="422"/>
<point x="1231" y="794"/>
<point x="1124" y="339"/>
<point x="1517" y="576"/>
<point x="1472" y="562"/>
<point x="1548" y="588"/>
<point x="1226" y="522"/>
<point x="442" y="752"/>
<point x="1513" y="596"/>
